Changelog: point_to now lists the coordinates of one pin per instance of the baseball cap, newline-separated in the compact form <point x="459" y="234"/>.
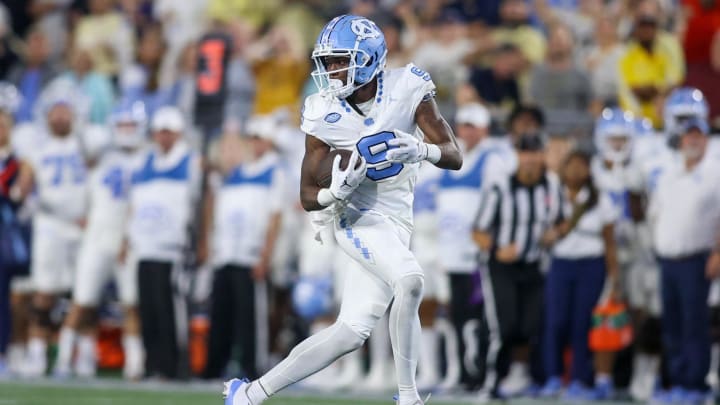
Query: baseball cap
<point x="168" y="118"/>
<point x="474" y="114"/>
<point x="694" y="122"/>
<point x="530" y="142"/>
<point x="261" y="126"/>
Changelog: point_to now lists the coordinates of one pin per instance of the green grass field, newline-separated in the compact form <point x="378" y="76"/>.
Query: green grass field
<point x="101" y="392"/>
<point x="54" y="393"/>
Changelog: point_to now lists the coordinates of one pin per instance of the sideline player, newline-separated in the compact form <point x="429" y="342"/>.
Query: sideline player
<point x="56" y="171"/>
<point x="373" y="112"/>
<point x="98" y="256"/>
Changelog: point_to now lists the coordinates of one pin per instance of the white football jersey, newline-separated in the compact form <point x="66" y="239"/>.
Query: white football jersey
<point x="388" y="188"/>
<point x="109" y="185"/>
<point x="60" y="178"/>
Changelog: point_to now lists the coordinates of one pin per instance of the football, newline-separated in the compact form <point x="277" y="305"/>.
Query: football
<point x="323" y="172"/>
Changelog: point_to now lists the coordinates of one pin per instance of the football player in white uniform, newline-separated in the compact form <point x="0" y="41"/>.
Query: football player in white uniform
<point x="101" y="245"/>
<point x="375" y="113"/>
<point x="626" y="152"/>
<point x="56" y="171"/>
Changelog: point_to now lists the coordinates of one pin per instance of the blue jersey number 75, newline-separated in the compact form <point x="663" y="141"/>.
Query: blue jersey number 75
<point x="373" y="148"/>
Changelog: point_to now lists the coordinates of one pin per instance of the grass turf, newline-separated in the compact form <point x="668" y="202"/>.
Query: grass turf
<point x="37" y="394"/>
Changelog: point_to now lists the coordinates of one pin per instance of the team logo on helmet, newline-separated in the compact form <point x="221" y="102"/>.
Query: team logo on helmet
<point x="364" y="29"/>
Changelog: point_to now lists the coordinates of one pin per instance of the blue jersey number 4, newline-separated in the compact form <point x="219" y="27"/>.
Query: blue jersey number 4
<point x="373" y="149"/>
<point x="115" y="181"/>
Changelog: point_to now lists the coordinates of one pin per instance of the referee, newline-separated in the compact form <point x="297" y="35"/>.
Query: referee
<point x="515" y="211"/>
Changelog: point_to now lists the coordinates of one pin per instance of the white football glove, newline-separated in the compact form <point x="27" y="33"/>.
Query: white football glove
<point x="344" y="182"/>
<point x="408" y="149"/>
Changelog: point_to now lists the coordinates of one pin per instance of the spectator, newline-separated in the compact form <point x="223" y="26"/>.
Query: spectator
<point x="8" y="57"/>
<point x="497" y="86"/>
<point x="701" y="43"/>
<point x="107" y="36"/>
<point x="248" y="197"/>
<point x="516" y="209"/>
<point x="651" y="65"/>
<point x="162" y="200"/>
<point x="602" y="61"/>
<point x="561" y="87"/>
<point x="398" y="55"/>
<point x="241" y="81"/>
<point x="95" y="86"/>
<point x="515" y="28"/>
<point x="256" y="13"/>
<point x="583" y="256"/>
<point x="49" y="16"/>
<point x="32" y="73"/>
<point x="686" y="212"/>
<point x="580" y="17"/>
<point x="144" y="80"/>
<point x="442" y="47"/>
<point x="281" y="68"/>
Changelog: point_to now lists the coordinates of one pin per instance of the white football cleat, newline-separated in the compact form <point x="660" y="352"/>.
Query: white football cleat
<point x="517" y="381"/>
<point x="233" y="386"/>
<point x="418" y="402"/>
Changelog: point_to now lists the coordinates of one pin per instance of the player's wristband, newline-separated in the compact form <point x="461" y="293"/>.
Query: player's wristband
<point x="325" y="197"/>
<point x="433" y="153"/>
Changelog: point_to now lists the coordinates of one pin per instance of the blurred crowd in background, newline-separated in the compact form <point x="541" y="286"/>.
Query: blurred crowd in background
<point x="235" y="73"/>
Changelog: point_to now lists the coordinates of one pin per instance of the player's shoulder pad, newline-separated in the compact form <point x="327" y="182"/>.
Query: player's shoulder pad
<point x="410" y="83"/>
<point x="417" y="80"/>
<point x="313" y="112"/>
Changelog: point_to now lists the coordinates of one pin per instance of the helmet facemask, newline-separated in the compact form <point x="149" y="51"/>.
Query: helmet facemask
<point x="357" y="59"/>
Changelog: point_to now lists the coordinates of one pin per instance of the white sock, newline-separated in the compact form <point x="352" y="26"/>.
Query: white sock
<point x="256" y="393"/>
<point x="429" y="354"/>
<point x="87" y="349"/>
<point x="15" y="356"/>
<point x="66" y="345"/>
<point x="405" y="335"/>
<point x="134" y="356"/>
<point x="37" y="349"/>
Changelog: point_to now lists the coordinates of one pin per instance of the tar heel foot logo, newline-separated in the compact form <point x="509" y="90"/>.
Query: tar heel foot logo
<point x="332" y="118"/>
<point x="364" y="29"/>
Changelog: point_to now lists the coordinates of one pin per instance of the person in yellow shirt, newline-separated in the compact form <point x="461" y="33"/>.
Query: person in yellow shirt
<point x="107" y="36"/>
<point x="280" y="66"/>
<point x="516" y="29"/>
<point x="652" y="65"/>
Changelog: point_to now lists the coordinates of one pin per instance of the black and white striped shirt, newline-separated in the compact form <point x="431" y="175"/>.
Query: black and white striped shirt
<point x="515" y="213"/>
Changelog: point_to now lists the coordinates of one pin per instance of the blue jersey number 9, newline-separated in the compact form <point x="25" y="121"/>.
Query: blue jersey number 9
<point x="373" y="148"/>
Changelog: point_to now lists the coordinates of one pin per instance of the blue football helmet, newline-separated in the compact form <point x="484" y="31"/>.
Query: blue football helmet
<point x="615" y="131"/>
<point x="356" y="38"/>
<point x="683" y="103"/>
<point x="312" y="297"/>
<point x="128" y="122"/>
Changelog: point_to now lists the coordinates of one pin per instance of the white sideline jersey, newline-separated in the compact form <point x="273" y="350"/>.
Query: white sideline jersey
<point x="388" y="188"/>
<point x="60" y="179"/>
<point x="109" y="185"/>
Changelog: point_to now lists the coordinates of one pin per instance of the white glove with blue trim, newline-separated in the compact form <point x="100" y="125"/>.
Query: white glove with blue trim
<point x="344" y="182"/>
<point x="406" y="148"/>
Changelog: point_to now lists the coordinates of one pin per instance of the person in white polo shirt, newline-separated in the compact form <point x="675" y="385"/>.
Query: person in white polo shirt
<point x="584" y="258"/>
<point x="458" y="200"/>
<point x="246" y="204"/>
<point x="162" y="198"/>
<point x="685" y="211"/>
